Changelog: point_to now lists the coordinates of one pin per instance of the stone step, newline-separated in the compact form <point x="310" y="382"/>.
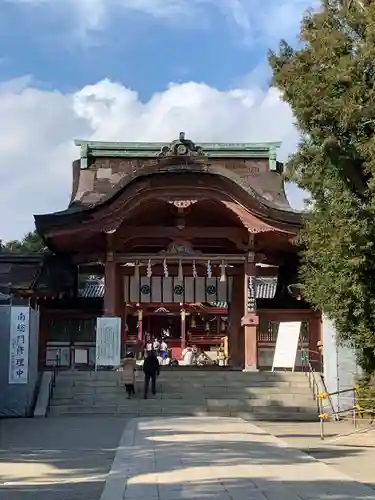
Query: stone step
<point x="246" y="393"/>
<point x="159" y="408"/>
<point x="85" y="386"/>
<point x="155" y="401"/>
<point x="193" y="375"/>
<point x="293" y="414"/>
<point x="264" y="395"/>
<point x="190" y="379"/>
<point x="182" y="399"/>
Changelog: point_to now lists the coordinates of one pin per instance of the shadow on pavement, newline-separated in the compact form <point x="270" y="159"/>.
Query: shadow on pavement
<point x="64" y="459"/>
<point x="68" y="459"/>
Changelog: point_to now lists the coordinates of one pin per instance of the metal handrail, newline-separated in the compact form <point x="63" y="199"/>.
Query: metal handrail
<point x="315" y="387"/>
<point x="52" y="383"/>
<point x="309" y="370"/>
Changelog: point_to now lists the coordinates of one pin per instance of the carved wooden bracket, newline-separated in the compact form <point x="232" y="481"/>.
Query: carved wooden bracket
<point x="251" y="319"/>
<point x="250" y="257"/>
<point x="182" y="204"/>
<point x="110" y="256"/>
<point x="260" y="257"/>
<point x="256" y="230"/>
<point x="295" y="240"/>
<point x="112" y="226"/>
<point x="179" y="247"/>
<point x="253" y="225"/>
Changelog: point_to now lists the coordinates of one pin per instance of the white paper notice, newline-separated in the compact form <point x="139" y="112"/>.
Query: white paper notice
<point x="287" y="345"/>
<point x="108" y="341"/>
<point x="81" y="356"/>
<point x="19" y="345"/>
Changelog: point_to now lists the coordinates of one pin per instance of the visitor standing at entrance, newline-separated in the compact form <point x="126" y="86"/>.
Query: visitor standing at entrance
<point x="128" y="367"/>
<point x="163" y="351"/>
<point x="151" y="368"/>
<point x="148" y="345"/>
<point x="156" y="346"/>
<point x="187" y="356"/>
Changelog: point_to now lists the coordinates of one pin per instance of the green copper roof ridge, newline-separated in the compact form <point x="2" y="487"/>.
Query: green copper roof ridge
<point x="134" y="149"/>
<point x="266" y="146"/>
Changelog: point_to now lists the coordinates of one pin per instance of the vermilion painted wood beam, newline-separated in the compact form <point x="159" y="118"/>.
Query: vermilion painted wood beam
<point x="185" y="233"/>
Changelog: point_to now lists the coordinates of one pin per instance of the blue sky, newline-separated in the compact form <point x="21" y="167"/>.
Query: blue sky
<point x="111" y="69"/>
<point x="135" y="48"/>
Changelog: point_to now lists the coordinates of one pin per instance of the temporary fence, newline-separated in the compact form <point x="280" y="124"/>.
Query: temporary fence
<point x="359" y="408"/>
<point x="359" y="412"/>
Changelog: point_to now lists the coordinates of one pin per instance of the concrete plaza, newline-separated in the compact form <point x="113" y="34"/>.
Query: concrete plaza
<point x="162" y="459"/>
<point x="222" y="459"/>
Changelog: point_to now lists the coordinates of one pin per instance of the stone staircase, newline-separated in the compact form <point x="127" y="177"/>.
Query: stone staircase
<point x="258" y="396"/>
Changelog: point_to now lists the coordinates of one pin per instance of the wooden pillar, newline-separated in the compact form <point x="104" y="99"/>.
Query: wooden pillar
<point x="43" y="337"/>
<point x="183" y="328"/>
<point x="250" y="319"/>
<point x="110" y="285"/>
<point x="140" y="331"/>
<point x="236" y="359"/>
<point x="125" y="330"/>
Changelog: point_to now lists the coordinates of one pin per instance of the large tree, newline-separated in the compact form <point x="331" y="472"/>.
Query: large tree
<point x="30" y="243"/>
<point x="329" y="82"/>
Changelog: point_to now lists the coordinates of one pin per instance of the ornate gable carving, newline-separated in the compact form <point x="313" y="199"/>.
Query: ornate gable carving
<point x="181" y="147"/>
<point x="179" y="247"/>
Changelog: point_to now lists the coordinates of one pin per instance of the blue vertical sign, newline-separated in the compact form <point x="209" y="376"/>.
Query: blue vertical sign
<point x="19" y="345"/>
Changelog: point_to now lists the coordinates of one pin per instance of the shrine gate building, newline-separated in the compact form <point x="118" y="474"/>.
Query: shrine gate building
<point x="194" y="240"/>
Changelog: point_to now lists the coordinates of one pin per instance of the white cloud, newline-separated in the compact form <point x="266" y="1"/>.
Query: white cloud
<point x="252" y="19"/>
<point x="38" y="127"/>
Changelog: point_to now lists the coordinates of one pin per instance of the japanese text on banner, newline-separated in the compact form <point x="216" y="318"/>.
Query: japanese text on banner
<point x="19" y="345"/>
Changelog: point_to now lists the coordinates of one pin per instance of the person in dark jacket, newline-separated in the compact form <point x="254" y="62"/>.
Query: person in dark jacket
<point x="151" y="368"/>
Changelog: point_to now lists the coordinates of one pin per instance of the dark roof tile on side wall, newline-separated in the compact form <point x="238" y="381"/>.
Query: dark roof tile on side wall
<point x="266" y="289"/>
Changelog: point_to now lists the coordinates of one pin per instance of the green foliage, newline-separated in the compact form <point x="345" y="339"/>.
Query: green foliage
<point x="30" y="243"/>
<point x="329" y="82"/>
<point x="366" y="400"/>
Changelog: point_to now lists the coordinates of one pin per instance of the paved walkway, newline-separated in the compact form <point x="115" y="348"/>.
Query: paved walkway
<point x="219" y="459"/>
<point x="57" y="459"/>
<point x="350" y="452"/>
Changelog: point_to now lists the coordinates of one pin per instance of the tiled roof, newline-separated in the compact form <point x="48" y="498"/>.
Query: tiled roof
<point x="265" y="289"/>
<point x="92" y="291"/>
<point x="38" y="272"/>
<point x="57" y="275"/>
<point x="19" y="275"/>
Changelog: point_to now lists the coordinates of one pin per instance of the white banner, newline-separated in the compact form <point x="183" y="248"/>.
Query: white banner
<point x="19" y="345"/>
<point x="108" y="341"/>
<point x="287" y="345"/>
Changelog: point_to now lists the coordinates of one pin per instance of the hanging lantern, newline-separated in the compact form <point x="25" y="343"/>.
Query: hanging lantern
<point x="195" y="274"/>
<point x="180" y="271"/>
<point x="136" y="271"/>
<point x="222" y="273"/>
<point x="165" y="268"/>
<point x="149" y="269"/>
<point x="209" y="269"/>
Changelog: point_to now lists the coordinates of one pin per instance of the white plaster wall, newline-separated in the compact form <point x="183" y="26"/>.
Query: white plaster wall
<point x="339" y="367"/>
